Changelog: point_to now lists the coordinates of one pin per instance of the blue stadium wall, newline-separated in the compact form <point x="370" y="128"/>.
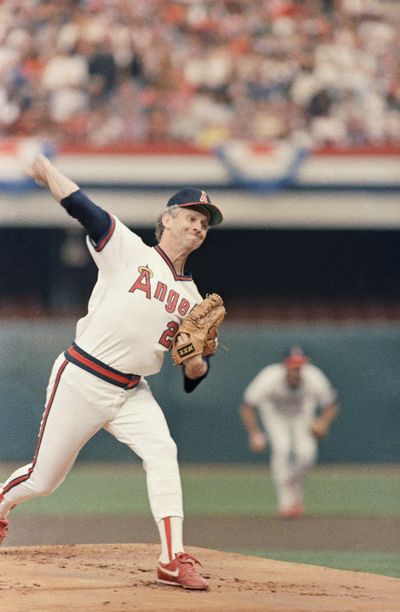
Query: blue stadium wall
<point x="360" y="359"/>
<point x="243" y="265"/>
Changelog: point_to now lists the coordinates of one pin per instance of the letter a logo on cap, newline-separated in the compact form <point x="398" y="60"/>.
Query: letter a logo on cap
<point x="192" y="196"/>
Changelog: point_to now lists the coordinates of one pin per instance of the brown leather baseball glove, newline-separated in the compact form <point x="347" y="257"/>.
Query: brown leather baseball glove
<point x="201" y="326"/>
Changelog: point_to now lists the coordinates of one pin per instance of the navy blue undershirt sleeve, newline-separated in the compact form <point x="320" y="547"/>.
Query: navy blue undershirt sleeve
<point x="190" y="384"/>
<point x="94" y="219"/>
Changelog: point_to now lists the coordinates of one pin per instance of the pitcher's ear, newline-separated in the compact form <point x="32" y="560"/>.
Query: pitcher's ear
<point x="165" y="219"/>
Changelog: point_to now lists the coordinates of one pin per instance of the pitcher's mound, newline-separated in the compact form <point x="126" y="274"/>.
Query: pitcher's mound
<point x="117" y="577"/>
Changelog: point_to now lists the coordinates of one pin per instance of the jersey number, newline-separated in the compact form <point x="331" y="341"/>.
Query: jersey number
<point x="168" y="334"/>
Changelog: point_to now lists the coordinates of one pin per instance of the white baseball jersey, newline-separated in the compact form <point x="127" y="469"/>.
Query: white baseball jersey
<point x="269" y="390"/>
<point x="136" y="305"/>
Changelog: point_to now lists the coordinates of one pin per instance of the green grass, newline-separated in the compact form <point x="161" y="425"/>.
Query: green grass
<point x="222" y="490"/>
<point x="249" y="491"/>
<point x="386" y="564"/>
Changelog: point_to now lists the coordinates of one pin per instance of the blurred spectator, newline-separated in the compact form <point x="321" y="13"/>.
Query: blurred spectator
<point x="107" y="71"/>
<point x="102" y="69"/>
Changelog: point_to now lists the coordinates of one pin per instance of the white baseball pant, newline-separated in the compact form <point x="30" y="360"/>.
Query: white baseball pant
<point x="293" y="453"/>
<point x="79" y="404"/>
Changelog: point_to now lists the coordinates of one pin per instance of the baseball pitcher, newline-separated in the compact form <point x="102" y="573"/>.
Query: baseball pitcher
<point x="143" y="304"/>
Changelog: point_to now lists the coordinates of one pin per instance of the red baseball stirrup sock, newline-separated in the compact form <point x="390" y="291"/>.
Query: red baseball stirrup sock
<point x="170" y="528"/>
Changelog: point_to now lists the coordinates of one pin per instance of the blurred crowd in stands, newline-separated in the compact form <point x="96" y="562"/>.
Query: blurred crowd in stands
<point x="106" y="72"/>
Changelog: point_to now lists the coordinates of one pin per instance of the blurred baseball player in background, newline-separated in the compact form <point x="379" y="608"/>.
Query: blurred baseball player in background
<point x="141" y="296"/>
<point x="292" y="404"/>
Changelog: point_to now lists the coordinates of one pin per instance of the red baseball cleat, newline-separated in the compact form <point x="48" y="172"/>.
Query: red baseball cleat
<point x="182" y="572"/>
<point x="295" y="511"/>
<point x="3" y="529"/>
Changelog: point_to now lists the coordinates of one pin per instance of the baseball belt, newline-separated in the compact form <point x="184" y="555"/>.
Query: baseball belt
<point x="83" y="360"/>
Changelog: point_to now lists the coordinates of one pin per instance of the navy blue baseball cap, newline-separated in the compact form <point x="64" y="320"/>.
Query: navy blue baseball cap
<point x="191" y="197"/>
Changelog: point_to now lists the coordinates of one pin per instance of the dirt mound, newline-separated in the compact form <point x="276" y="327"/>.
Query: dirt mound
<point x="121" y="577"/>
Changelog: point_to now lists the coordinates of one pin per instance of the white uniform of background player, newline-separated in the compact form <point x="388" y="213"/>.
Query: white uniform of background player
<point x="286" y="397"/>
<point x="137" y="304"/>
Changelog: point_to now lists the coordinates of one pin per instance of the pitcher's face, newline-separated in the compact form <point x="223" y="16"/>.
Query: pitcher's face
<point x="293" y="376"/>
<point x="188" y="228"/>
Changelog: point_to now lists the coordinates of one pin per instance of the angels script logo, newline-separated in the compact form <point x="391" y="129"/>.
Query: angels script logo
<point x="159" y="291"/>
